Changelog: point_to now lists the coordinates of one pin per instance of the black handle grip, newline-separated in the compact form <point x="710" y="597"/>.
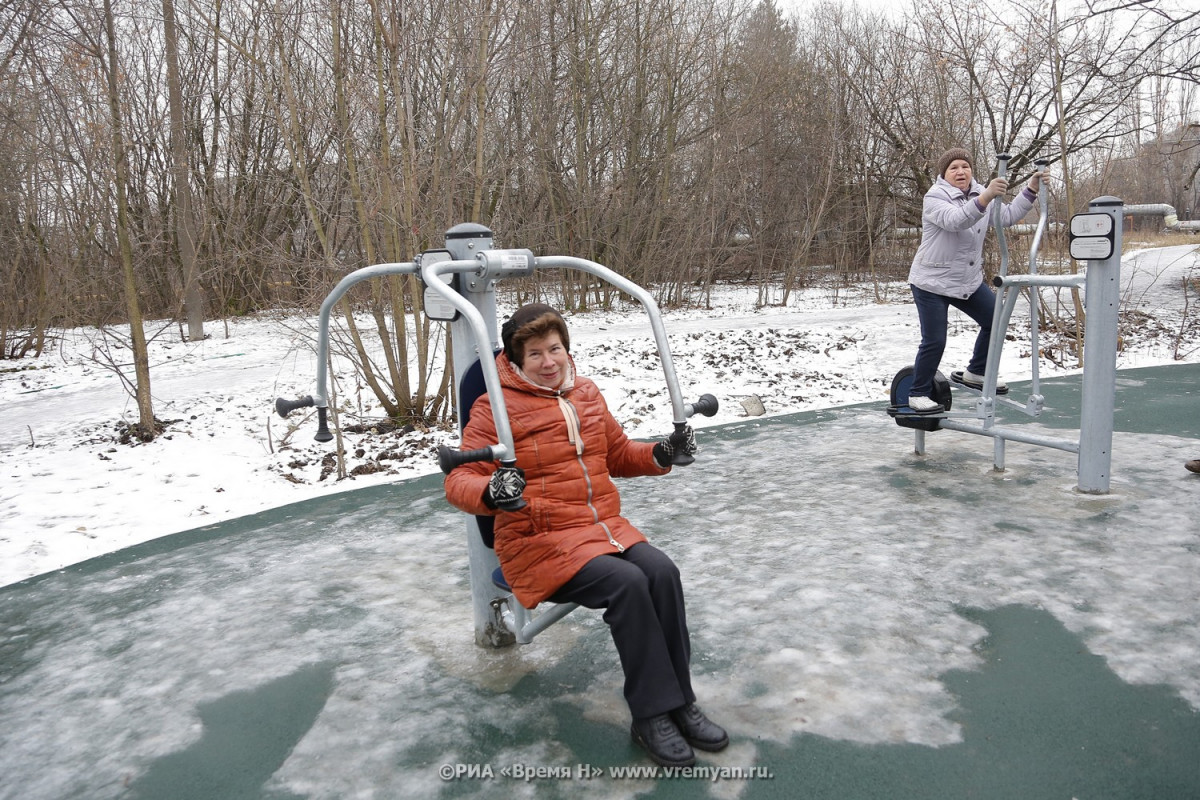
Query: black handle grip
<point x="706" y="405"/>
<point x="1002" y="160"/>
<point x="680" y="458"/>
<point x="285" y="407"/>
<point x="323" y="434"/>
<point x="512" y="505"/>
<point x="449" y="458"/>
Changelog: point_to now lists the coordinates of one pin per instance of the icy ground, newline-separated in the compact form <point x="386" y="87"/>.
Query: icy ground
<point x="826" y="577"/>
<point x="71" y="490"/>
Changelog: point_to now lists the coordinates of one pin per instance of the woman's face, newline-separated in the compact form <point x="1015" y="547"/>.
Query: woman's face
<point x="958" y="174"/>
<point x="546" y="360"/>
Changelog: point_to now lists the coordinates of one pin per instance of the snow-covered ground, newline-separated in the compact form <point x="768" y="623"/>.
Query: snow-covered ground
<point x="71" y="490"/>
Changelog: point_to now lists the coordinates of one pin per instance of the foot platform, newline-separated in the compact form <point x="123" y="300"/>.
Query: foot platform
<point x="956" y="379"/>
<point x="905" y="411"/>
<point x="907" y="418"/>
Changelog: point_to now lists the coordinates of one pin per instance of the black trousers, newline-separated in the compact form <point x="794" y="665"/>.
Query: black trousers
<point x="642" y="595"/>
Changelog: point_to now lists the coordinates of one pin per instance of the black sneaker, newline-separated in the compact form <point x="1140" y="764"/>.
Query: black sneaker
<point x="663" y="741"/>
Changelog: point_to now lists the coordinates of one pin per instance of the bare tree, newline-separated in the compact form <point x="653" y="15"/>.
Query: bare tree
<point x="274" y="147"/>
<point x="185" y="229"/>
<point x="137" y="334"/>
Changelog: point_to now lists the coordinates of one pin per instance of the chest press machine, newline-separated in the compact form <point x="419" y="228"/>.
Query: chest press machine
<point x="460" y="289"/>
<point x="1095" y="237"/>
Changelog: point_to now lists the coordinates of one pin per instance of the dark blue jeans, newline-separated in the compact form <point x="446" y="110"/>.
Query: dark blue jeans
<point x="933" y="309"/>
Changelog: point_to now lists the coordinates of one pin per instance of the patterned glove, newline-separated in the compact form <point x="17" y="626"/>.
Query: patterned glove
<point x="680" y="441"/>
<point x="505" y="487"/>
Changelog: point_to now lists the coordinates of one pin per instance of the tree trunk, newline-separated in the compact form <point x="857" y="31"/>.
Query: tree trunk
<point x="1080" y="316"/>
<point x="141" y="358"/>
<point x="185" y="223"/>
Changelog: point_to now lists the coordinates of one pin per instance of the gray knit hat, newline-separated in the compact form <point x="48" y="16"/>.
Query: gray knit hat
<point x="953" y="154"/>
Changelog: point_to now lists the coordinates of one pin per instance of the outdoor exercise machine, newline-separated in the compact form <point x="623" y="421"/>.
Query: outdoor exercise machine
<point x="460" y="289"/>
<point x="1095" y="237"/>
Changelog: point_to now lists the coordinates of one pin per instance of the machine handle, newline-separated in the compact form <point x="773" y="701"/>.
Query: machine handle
<point x="449" y="458"/>
<point x="285" y="407"/>
<point x="706" y="406"/>
<point x="678" y="437"/>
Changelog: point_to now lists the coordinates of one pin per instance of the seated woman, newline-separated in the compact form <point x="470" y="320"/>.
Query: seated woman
<point x="570" y="543"/>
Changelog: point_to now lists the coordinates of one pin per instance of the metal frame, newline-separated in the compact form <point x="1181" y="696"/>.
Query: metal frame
<point x="1101" y="283"/>
<point x="473" y="268"/>
<point x="499" y="618"/>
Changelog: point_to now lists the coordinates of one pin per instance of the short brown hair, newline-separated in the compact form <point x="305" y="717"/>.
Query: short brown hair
<point x="531" y="322"/>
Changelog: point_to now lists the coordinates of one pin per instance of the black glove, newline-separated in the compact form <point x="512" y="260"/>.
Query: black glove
<point x="680" y="441"/>
<point x="505" y="487"/>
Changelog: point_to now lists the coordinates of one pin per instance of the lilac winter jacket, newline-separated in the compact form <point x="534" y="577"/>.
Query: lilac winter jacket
<point x="949" y="260"/>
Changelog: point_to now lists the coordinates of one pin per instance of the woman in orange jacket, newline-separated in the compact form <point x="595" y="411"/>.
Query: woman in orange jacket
<point x="570" y="543"/>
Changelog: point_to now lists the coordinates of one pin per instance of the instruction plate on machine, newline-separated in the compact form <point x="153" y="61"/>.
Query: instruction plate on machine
<point x="436" y="306"/>
<point x="1091" y="236"/>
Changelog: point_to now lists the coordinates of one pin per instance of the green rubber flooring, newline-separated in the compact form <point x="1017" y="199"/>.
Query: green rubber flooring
<point x="866" y="622"/>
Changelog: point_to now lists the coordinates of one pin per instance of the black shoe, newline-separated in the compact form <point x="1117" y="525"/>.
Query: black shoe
<point x="700" y="732"/>
<point x="662" y="741"/>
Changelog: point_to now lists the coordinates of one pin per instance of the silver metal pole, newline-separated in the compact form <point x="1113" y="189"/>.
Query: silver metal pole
<point x="474" y="335"/>
<point x="679" y="408"/>
<point x="321" y="398"/>
<point x="473" y="320"/>
<point x="1014" y="435"/>
<point x="1005" y="303"/>
<point x="1100" y="357"/>
<point x="1065" y="281"/>
<point x="997" y="212"/>
<point x="1034" y="295"/>
<point x="996" y="344"/>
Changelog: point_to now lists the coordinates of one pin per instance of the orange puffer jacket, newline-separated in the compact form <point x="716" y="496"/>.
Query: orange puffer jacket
<point x="570" y="447"/>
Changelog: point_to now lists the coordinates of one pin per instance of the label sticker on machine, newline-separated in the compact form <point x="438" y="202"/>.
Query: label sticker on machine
<point x="1091" y="248"/>
<point x="1091" y="225"/>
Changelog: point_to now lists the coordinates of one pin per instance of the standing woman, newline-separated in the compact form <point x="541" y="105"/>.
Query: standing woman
<point x="948" y="268"/>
